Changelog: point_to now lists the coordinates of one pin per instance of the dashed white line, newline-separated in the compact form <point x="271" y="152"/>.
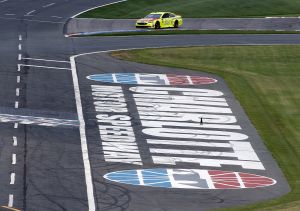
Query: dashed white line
<point x="46" y="60"/>
<point x="29" y="13"/>
<point x="20" y="37"/>
<point x="19" y="67"/>
<point x="10" y="200"/>
<point x="16" y="125"/>
<point x="14" y="159"/>
<point x="17" y="92"/>
<point x="15" y="141"/>
<point x="16" y="104"/>
<point x="12" y="178"/>
<point x="47" y="67"/>
<point x="20" y="47"/>
<point x="19" y="57"/>
<point x="48" y="5"/>
<point x="54" y="16"/>
<point x="18" y="79"/>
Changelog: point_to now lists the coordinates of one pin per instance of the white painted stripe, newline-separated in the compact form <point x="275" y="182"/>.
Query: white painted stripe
<point x="20" y="47"/>
<point x="10" y="14"/>
<point x="20" y="37"/>
<point x="17" y="92"/>
<point x="46" y="67"/>
<point x="205" y="175"/>
<point x="15" y="141"/>
<point x="54" y="16"/>
<point x="19" y="68"/>
<point x="10" y="200"/>
<point x="188" y="143"/>
<point x="14" y="159"/>
<point x="12" y="178"/>
<point x="18" y="79"/>
<point x="19" y="57"/>
<point x="48" y="5"/>
<point x="3" y="1"/>
<point x="29" y="13"/>
<point x="98" y="7"/>
<point x="84" y="147"/>
<point x="16" y="104"/>
<point x="16" y="125"/>
<point x="140" y="176"/>
<point x="242" y="185"/>
<point x="47" y="60"/>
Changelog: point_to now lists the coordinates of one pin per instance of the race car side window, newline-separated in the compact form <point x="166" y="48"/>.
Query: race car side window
<point x="166" y="15"/>
<point x="172" y="15"/>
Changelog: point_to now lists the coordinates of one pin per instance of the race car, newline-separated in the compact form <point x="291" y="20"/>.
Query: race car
<point x="159" y="20"/>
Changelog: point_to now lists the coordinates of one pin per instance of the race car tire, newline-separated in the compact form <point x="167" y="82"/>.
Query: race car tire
<point x="176" y="24"/>
<point x="157" y="25"/>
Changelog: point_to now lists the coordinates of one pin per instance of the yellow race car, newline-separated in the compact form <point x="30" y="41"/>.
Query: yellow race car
<point x="159" y="20"/>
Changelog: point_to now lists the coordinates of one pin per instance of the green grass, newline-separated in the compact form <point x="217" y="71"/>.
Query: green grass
<point x="176" y="32"/>
<point x="198" y="8"/>
<point x="265" y="80"/>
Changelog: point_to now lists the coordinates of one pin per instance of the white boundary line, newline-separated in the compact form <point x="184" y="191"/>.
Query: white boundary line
<point x="47" y="67"/>
<point x="98" y="7"/>
<point x="84" y="147"/>
<point x="46" y="60"/>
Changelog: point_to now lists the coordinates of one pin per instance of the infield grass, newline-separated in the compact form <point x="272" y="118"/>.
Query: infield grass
<point x="198" y="8"/>
<point x="265" y="80"/>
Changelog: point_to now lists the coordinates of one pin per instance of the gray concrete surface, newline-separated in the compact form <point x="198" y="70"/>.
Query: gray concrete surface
<point x="81" y="25"/>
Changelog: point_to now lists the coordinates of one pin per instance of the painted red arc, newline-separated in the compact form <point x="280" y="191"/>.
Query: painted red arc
<point x="232" y="180"/>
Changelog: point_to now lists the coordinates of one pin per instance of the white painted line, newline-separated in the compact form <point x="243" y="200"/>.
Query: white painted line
<point x="3" y="1"/>
<point x="16" y="125"/>
<point x="18" y="79"/>
<point x="19" y="57"/>
<point x="19" y="67"/>
<point x="10" y="14"/>
<point x="14" y="159"/>
<point x="20" y="47"/>
<point x="20" y="37"/>
<point x="29" y="13"/>
<point x="98" y="7"/>
<point x="54" y="16"/>
<point x="16" y="104"/>
<point x="17" y="92"/>
<point x="12" y="178"/>
<point x="84" y="147"/>
<point x="47" y="67"/>
<point x="10" y="200"/>
<point x="46" y="60"/>
<point x="15" y="141"/>
<point x="48" y="5"/>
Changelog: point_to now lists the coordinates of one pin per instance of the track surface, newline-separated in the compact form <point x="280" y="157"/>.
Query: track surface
<point x="41" y="159"/>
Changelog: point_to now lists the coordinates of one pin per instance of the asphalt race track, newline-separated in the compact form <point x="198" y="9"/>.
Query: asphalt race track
<point x="44" y="123"/>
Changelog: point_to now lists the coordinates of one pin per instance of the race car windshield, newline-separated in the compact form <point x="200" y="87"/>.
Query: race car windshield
<point x="153" y="16"/>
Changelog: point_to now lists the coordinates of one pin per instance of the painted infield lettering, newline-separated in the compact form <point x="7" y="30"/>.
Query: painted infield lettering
<point x="118" y="138"/>
<point x="174" y="113"/>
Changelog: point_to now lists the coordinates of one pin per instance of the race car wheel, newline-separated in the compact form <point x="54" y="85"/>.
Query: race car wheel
<point x="157" y="25"/>
<point x="176" y="24"/>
